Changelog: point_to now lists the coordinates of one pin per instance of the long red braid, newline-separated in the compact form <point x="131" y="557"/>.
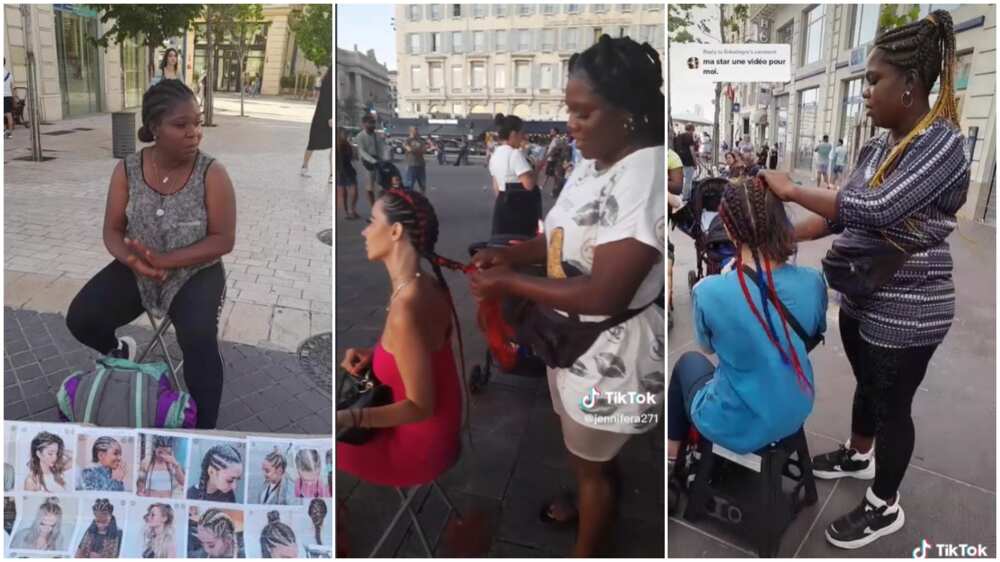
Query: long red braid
<point x="744" y="212"/>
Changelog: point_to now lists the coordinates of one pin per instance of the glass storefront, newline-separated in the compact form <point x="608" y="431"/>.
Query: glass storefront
<point x="136" y="80"/>
<point x="807" y="128"/>
<point x="853" y="119"/>
<point x="781" y="139"/>
<point x="79" y="73"/>
<point x="226" y="57"/>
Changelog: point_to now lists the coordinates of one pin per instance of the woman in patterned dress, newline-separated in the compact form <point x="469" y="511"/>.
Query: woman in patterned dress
<point x="604" y="245"/>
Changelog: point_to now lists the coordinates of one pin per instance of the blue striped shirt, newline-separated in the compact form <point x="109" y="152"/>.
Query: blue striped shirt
<point x="927" y="188"/>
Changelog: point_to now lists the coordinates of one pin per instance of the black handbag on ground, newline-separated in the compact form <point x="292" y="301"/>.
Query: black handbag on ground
<point x="556" y="339"/>
<point x="364" y="391"/>
<point x="811" y="341"/>
<point x="857" y="266"/>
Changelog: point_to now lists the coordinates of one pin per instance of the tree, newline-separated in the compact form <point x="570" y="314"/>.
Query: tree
<point x="237" y="19"/>
<point x="147" y="24"/>
<point x="313" y="29"/>
<point x="889" y="19"/>
<point x="679" y="19"/>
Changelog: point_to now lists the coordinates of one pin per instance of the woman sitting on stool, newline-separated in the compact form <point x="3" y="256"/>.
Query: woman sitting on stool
<point x="762" y="389"/>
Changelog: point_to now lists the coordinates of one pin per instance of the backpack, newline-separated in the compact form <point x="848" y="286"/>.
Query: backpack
<point x="122" y="393"/>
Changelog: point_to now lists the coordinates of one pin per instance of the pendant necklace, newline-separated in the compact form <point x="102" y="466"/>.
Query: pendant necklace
<point x="400" y="288"/>
<point x="156" y="168"/>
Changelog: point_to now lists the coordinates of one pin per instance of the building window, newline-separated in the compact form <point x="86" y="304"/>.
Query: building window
<point x="458" y="109"/>
<point x="435" y="11"/>
<point x="456" y="78"/>
<point x="437" y="42"/>
<point x="479" y="10"/>
<point x="524" y="9"/>
<point x="807" y="127"/>
<point x="456" y="41"/>
<point x="813" y="39"/>
<point x="479" y="41"/>
<point x="414" y="11"/>
<point x="546" y="77"/>
<point x="416" y="78"/>
<point x="437" y="76"/>
<point x="499" y="77"/>
<point x="564" y="75"/>
<point x="522" y="75"/>
<point x="784" y="36"/>
<point x="549" y="40"/>
<point x="500" y="10"/>
<point x="570" y="38"/>
<point x="865" y="23"/>
<point x="550" y="9"/>
<point x="414" y="43"/>
<point x="501" y="40"/>
<point x="652" y="7"/>
<point x="478" y="76"/>
<point x="625" y="8"/>
<point x="649" y="34"/>
<point x="852" y="118"/>
<point x="598" y="31"/>
<point x="416" y="108"/>
<point x="524" y="40"/>
<point x="598" y="8"/>
<point x="456" y="10"/>
<point x="572" y="8"/>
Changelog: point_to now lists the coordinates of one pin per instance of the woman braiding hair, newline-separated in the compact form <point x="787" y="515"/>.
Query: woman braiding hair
<point x="895" y="211"/>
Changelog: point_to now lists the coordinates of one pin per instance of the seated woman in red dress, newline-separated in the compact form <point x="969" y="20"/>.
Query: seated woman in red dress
<point x="418" y="434"/>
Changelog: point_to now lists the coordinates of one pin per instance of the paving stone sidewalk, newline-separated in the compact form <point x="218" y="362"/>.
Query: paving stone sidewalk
<point x="949" y="492"/>
<point x="265" y="390"/>
<point x="516" y="460"/>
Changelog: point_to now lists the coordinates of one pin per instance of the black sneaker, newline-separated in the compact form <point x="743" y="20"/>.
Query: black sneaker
<point x="844" y="462"/>
<point x="126" y="349"/>
<point x="868" y="522"/>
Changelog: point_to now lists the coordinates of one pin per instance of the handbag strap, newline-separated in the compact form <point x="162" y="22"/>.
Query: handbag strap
<point x="809" y="340"/>
<point x="624" y="316"/>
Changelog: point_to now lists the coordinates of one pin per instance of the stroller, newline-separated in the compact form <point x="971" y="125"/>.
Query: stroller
<point x="525" y="363"/>
<point x="700" y="220"/>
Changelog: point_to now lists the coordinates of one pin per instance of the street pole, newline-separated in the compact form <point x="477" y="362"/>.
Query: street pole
<point x="36" y="138"/>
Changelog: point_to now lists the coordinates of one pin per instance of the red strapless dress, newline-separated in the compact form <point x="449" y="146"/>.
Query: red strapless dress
<point x="414" y="453"/>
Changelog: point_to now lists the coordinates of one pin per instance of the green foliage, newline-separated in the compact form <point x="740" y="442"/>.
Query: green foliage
<point x="889" y="19"/>
<point x="679" y="19"/>
<point x="235" y="19"/>
<point x="148" y="24"/>
<point x="313" y="29"/>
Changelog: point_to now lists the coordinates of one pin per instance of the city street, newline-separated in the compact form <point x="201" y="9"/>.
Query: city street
<point x="279" y="273"/>
<point x="949" y="492"/>
<point x="516" y="459"/>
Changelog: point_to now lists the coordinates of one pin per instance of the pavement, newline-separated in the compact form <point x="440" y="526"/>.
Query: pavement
<point x="516" y="460"/>
<point x="278" y="275"/>
<point x="949" y="492"/>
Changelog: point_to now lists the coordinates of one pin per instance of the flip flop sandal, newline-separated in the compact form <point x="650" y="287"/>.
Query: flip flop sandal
<point x="545" y="515"/>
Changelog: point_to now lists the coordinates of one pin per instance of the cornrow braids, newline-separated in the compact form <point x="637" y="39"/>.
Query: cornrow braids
<point x="103" y="444"/>
<point x="629" y="76"/>
<point x="158" y="101"/>
<point x="415" y="212"/>
<point x="218" y="457"/>
<point x="220" y="524"/>
<point x="275" y="533"/>
<point x="317" y="514"/>
<point x="756" y="219"/>
<point x="277" y="460"/>
<point x="307" y="460"/>
<point x="928" y="48"/>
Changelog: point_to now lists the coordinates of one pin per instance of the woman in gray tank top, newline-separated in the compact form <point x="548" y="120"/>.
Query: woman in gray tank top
<point x="170" y="217"/>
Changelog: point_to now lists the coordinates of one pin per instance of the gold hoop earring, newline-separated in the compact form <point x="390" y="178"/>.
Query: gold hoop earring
<point x="902" y="99"/>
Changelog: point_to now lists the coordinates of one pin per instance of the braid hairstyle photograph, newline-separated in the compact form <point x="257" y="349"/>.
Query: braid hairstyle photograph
<point x="39" y="444"/>
<point x="629" y="76"/>
<point x="755" y="218"/>
<point x="420" y="222"/>
<point x="217" y="532"/>
<point x="317" y="512"/>
<point x="219" y="457"/>
<point x="277" y="539"/>
<point x="927" y="48"/>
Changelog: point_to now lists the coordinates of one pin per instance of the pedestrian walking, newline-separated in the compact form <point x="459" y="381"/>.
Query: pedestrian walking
<point x="894" y="213"/>
<point x="684" y="146"/>
<point x="321" y="130"/>
<point x="170" y="217"/>
<point x="822" y="166"/>
<point x="347" y="176"/>
<point x="746" y="149"/>
<point x="772" y="161"/>
<point x="416" y="167"/>
<point x="518" y="206"/>
<point x="8" y="101"/>
<point x="170" y="68"/>
<point x="371" y="151"/>
<point x="839" y="162"/>
<point x="441" y="157"/>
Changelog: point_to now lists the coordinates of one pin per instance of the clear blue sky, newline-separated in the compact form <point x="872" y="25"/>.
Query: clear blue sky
<point x="369" y="26"/>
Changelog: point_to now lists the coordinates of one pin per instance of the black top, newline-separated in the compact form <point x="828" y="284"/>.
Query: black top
<point x="682" y="146"/>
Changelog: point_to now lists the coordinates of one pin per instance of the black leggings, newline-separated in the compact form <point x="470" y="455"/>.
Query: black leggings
<point x="111" y="300"/>
<point x="887" y="380"/>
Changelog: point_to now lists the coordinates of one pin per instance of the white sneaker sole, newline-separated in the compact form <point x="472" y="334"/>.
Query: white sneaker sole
<point x="868" y="539"/>
<point x="866" y="474"/>
<point x="133" y="350"/>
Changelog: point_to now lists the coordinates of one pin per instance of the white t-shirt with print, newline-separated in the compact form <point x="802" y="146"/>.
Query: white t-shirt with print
<point x="507" y="164"/>
<point x="600" y="207"/>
